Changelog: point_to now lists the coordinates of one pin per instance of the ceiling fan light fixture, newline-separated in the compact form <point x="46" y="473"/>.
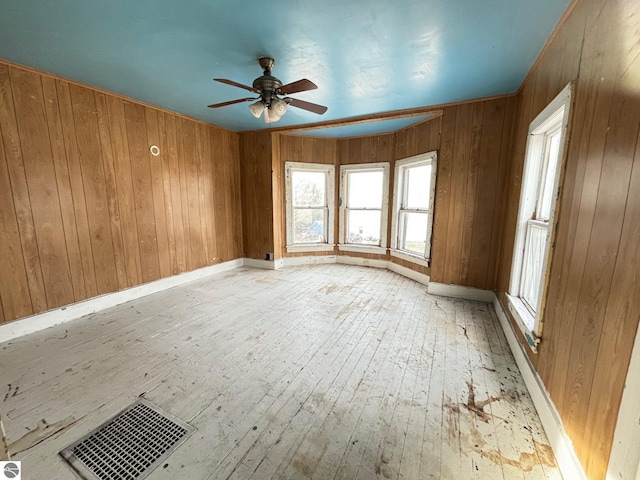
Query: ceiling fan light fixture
<point x="257" y="108"/>
<point x="278" y="107"/>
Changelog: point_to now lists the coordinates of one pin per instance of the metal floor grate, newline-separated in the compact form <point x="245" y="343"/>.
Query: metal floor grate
<point x="129" y="446"/>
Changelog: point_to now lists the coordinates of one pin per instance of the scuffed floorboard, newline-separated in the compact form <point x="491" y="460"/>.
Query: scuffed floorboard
<point x="324" y="372"/>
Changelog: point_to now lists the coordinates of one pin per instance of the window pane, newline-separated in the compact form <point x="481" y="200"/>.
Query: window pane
<point x="309" y="188"/>
<point x="414" y="232"/>
<point x="309" y="225"/>
<point x="363" y="226"/>
<point x="418" y="187"/>
<point x="364" y="189"/>
<point x="550" y="173"/>
<point x="534" y="245"/>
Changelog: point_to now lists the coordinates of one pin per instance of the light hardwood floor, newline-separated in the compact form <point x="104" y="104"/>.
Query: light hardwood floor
<point x="324" y="372"/>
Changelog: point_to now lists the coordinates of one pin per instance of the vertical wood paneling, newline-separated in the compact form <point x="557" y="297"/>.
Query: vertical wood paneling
<point x="443" y="196"/>
<point x="177" y="205"/>
<point x="111" y="189"/>
<point x="14" y="286"/>
<point x="470" y="202"/>
<point x="257" y="196"/>
<point x="473" y="151"/>
<point x="63" y="181"/>
<point x="77" y="188"/>
<point x="219" y="208"/>
<point x="124" y="187"/>
<point x="459" y="180"/>
<point x="591" y="315"/>
<point x="232" y="159"/>
<point x="84" y="207"/>
<point x="167" y="147"/>
<point x="230" y="194"/>
<point x="21" y="202"/>
<point x="90" y="156"/>
<point x="43" y="192"/>
<point x="184" y="195"/>
<point x="201" y="152"/>
<point x="142" y="191"/>
<point x="486" y="193"/>
<point x="157" y="186"/>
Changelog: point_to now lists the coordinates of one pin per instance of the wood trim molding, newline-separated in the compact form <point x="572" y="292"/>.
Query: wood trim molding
<point x="436" y="110"/>
<point x="34" y="323"/>
<point x="561" y="444"/>
<point x="392" y="115"/>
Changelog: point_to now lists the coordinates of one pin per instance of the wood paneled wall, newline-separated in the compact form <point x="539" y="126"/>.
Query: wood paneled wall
<point x="593" y="304"/>
<point x="473" y="141"/>
<point x="256" y="158"/>
<point x="85" y="209"/>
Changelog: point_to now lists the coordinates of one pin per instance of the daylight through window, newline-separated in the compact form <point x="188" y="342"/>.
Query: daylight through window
<point x="534" y="233"/>
<point x="413" y="206"/>
<point x="309" y="190"/>
<point x="364" y="200"/>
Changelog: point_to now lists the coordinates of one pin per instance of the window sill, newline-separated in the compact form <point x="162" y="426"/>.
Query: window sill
<point x="348" y="247"/>
<point x="410" y="258"/>
<point x="311" y="247"/>
<point x="523" y="318"/>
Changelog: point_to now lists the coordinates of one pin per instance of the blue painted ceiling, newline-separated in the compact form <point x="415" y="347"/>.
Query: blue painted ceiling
<point x="366" y="56"/>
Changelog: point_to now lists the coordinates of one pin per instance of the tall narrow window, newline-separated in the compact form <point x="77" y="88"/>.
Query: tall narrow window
<point x="364" y="193"/>
<point x="415" y="179"/>
<point x="309" y="198"/>
<point x="538" y="198"/>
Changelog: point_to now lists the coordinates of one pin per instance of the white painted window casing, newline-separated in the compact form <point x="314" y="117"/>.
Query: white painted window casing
<point x="413" y="202"/>
<point x="364" y="200"/>
<point x="309" y="196"/>
<point x="541" y="183"/>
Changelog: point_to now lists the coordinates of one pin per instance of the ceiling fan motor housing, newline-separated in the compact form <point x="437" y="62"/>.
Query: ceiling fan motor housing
<point x="268" y="85"/>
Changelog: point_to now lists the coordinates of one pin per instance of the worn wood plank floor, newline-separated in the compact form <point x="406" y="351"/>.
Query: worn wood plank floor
<point x="324" y="372"/>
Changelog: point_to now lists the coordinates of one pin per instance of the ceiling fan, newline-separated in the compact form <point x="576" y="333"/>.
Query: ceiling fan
<point x="270" y="89"/>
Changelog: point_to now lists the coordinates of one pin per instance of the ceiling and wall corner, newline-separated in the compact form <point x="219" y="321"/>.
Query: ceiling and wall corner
<point x="365" y="56"/>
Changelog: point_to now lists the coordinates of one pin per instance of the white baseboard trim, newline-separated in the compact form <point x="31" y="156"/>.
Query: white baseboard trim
<point x="264" y="264"/>
<point x="308" y="260"/>
<point x="362" y="262"/>
<point x="457" y="291"/>
<point x="40" y="321"/>
<point x="561" y="444"/>
<point x="407" y="272"/>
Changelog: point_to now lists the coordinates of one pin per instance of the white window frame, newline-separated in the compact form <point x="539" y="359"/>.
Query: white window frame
<point x="399" y="188"/>
<point x="384" y="211"/>
<point x="554" y="116"/>
<point x="329" y="170"/>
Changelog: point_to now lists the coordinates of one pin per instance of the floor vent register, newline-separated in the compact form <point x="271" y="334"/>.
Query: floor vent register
<point x="128" y="446"/>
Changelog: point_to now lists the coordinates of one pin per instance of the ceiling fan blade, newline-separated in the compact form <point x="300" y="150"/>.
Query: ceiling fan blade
<point x="298" y="86"/>
<point x="236" y="84"/>
<point x="311" y="107"/>
<point x="231" y="102"/>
